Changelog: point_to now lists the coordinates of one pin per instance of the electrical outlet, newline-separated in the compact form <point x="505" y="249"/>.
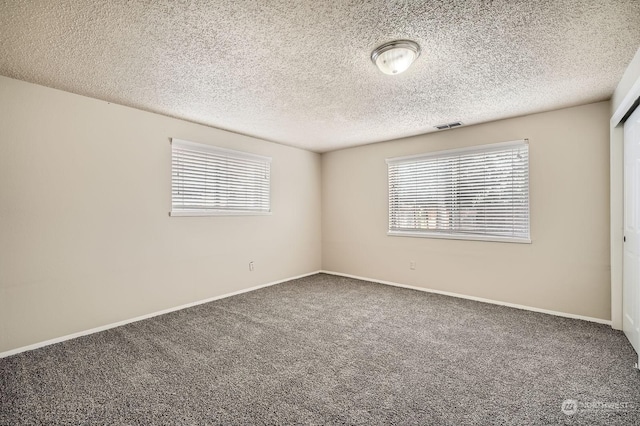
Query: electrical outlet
<point x="412" y="265"/>
<point x="251" y="266"/>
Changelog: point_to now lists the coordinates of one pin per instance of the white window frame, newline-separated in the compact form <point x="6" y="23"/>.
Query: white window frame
<point x="217" y="153"/>
<point x="456" y="234"/>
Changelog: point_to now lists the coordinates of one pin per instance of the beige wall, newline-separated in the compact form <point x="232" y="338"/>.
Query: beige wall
<point x="565" y="269"/>
<point x="85" y="236"/>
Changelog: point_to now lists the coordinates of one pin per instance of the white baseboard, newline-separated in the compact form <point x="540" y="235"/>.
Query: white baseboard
<point x="143" y="317"/>
<point x="246" y="290"/>
<point x="477" y="299"/>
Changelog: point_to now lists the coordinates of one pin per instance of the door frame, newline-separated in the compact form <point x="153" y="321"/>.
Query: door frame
<point x="616" y="182"/>
<point x="631" y="229"/>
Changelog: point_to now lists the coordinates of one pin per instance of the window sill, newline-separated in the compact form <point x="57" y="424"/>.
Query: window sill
<point x="459" y="237"/>
<point x="217" y="213"/>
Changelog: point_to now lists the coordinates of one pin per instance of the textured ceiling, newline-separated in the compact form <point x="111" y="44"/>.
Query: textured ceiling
<point x="299" y="72"/>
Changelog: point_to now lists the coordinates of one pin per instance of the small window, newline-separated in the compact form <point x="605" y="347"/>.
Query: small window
<point x="207" y="180"/>
<point x="478" y="193"/>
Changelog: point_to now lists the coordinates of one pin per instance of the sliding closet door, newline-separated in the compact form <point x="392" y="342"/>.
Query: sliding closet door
<point x="631" y="266"/>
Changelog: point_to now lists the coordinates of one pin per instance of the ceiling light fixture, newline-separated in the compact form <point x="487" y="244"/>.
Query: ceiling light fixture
<point x="396" y="56"/>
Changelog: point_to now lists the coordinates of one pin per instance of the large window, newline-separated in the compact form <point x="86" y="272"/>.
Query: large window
<point x="478" y="193"/>
<point x="207" y="180"/>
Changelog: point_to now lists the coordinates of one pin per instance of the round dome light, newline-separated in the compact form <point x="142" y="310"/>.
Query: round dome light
<point x="396" y="56"/>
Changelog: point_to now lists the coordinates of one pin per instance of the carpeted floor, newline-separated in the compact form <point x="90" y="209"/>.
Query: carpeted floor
<point x="330" y="350"/>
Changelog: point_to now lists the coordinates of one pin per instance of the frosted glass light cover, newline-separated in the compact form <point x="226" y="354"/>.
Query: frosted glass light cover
<point x="395" y="56"/>
<point x="396" y="60"/>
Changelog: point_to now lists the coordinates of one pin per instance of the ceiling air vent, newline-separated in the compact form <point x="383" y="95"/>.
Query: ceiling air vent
<point x="449" y="125"/>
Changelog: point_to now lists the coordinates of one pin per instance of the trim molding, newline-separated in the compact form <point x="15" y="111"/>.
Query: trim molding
<point x="246" y="290"/>
<point x="143" y="317"/>
<point x="625" y="105"/>
<point x="477" y="299"/>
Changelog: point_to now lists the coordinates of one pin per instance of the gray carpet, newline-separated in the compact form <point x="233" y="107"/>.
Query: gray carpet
<point x="330" y="350"/>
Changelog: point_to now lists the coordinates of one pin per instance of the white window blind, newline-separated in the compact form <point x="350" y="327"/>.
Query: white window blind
<point x="471" y="193"/>
<point x="207" y="180"/>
